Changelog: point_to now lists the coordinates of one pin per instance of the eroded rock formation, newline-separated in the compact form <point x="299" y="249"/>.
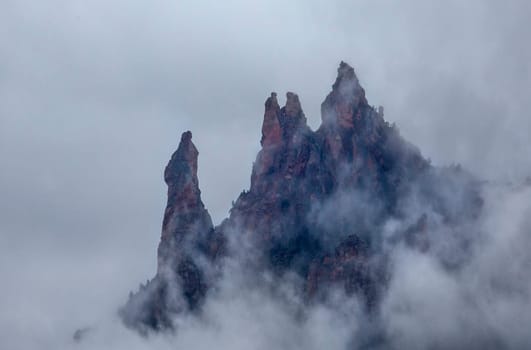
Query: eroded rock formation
<point x="317" y="207"/>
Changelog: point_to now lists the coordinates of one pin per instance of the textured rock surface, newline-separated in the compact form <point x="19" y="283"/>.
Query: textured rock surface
<point x="316" y="207"/>
<point x="188" y="241"/>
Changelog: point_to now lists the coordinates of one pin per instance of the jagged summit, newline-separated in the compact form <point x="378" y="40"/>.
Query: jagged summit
<point x="182" y="167"/>
<point x="184" y="195"/>
<point x="271" y="132"/>
<point x="293" y="106"/>
<point x="185" y="217"/>
<point x="346" y="101"/>
<point x="316" y="209"/>
<point x="345" y="74"/>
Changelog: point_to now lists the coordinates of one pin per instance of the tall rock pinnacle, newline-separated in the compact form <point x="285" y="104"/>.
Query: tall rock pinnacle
<point x="281" y="129"/>
<point x="343" y="104"/>
<point x="293" y="106"/>
<point x="271" y="132"/>
<point x="186" y="224"/>
<point x="185" y="216"/>
<point x="181" y="177"/>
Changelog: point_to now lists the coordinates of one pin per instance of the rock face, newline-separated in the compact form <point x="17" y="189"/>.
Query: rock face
<point x="188" y="241"/>
<point x="317" y="207"/>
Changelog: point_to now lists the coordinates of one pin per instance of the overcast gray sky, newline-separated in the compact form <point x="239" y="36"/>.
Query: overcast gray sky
<point x="95" y="94"/>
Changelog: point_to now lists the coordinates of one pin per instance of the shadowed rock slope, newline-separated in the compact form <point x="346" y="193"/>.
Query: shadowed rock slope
<point x="319" y="208"/>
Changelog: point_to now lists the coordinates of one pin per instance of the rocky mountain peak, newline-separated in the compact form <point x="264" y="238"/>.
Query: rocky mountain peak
<point x="343" y="105"/>
<point x="317" y="208"/>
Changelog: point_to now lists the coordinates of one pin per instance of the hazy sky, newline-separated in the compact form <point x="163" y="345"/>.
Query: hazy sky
<point x="95" y="94"/>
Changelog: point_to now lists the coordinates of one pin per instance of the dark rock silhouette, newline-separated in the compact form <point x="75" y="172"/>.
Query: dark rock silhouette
<point x="316" y="207"/>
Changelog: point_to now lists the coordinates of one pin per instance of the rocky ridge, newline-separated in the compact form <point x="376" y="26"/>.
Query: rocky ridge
<point x="317" y="208"/>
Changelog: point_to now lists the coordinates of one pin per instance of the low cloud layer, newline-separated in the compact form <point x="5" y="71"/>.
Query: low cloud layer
<point x="486" y="302"/>
<point x="93" y="98"/>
